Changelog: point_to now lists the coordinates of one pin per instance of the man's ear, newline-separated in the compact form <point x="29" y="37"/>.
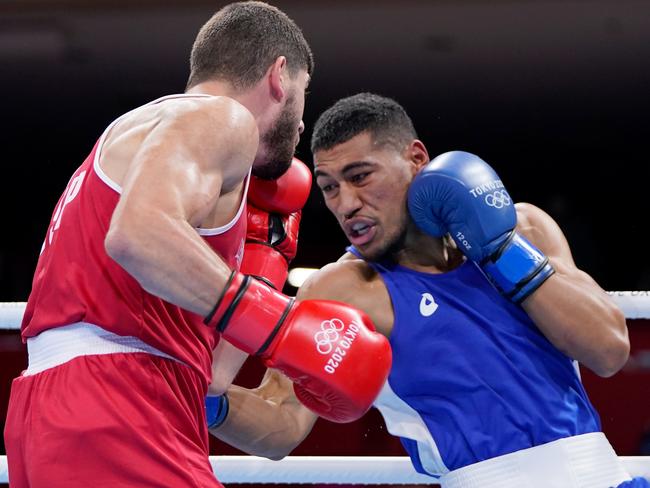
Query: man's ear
<point x="277" y="78"/>
<point x="418" y="155"/>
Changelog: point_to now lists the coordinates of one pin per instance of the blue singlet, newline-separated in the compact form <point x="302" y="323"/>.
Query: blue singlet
<point x="472" y="378"/>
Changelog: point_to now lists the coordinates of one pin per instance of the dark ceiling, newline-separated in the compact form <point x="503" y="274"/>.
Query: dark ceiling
<point x="554" y="94"/>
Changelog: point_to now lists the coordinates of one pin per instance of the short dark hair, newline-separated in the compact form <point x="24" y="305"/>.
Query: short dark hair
<point x="242" y="40"/>
<point x="385" y="119"/>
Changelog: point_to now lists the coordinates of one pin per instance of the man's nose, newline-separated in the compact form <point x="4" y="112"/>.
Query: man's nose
<point x="349" y="201"/>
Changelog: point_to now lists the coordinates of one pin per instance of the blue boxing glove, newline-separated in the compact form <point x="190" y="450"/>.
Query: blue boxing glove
<point x="216" y="410"/>
<point x="460" y="194"/>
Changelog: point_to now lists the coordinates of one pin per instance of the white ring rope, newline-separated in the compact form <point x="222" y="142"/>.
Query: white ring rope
<point x="11" y="314"/>
<point x="351" y="470"/>
<point x="635" y="305"/>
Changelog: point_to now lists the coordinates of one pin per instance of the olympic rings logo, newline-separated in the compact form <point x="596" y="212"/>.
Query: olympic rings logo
<point x="328" y="335"/>
<point x="498" y="199"/>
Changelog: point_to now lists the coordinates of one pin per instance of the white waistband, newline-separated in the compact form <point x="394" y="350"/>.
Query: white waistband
<point x="583" y="461"/>
<point x="56" y="346"/>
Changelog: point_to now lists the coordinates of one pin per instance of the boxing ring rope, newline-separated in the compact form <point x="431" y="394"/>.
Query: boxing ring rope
<point x="635" y="305"/>
<point x="349" y="470"/>
<point x="353" y="470"/>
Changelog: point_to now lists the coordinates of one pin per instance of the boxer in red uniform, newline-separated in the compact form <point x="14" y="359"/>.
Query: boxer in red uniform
<point x="138" y="277"/>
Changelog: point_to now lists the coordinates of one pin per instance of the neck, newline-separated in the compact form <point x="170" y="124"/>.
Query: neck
<point x="248" y="98"/>
<point x="422" y="252"/>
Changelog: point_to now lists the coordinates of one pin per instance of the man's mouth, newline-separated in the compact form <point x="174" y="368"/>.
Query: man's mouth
<point x="361" y="233"/>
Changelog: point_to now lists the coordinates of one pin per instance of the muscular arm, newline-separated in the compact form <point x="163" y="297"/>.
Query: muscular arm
<point x="570" y="309"/>
<point x="189" y="157"/>
<point x="269" y="421"/>
<point x="227" y="360"/>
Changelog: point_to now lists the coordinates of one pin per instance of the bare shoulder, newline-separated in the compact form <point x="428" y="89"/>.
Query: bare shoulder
<point x="217" y="124"/>
<point x="532" y="218"/>
<point x="217" y="132"/>
<point x="214" y="114"/>
<point x="206" y="114"/>
<point x="352" y="281"/>
<point x="543" y="231"/>
<point x="529" y="214"/>
<point x="342" y="281"/>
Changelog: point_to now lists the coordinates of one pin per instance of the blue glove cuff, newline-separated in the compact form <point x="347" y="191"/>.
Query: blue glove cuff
<point x="216" y="410"/>
<point x="517" y="268"/>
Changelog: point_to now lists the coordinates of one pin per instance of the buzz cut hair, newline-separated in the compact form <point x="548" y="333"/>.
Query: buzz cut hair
<point x="384" y="118"/>
<point x="241" y="41"/>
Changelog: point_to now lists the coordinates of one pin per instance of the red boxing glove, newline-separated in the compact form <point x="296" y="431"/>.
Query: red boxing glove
<point x="271" y="244"/>
<point x="274" y="210"/>
<point x="284" y="195"/>
<point x="338" y="363"/>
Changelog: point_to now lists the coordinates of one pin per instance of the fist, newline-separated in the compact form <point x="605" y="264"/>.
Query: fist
<point x="285" y="195"/>
<point x="331" y="352"/>
<point x="460" y="194"/>
<point x="277" y="231"/>
<point x="273" y="214"/>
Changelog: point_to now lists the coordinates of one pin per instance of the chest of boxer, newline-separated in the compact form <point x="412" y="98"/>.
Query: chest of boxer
<point x="472" y="376"/>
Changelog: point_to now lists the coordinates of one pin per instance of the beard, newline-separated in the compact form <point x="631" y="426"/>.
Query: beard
<point x="279" y="144"/>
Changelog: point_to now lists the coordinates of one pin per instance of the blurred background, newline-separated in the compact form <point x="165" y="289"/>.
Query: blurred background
<point x="553" y="94"/>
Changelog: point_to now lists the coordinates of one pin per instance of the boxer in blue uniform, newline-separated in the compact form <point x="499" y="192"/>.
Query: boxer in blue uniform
<point x="486" y="312"/>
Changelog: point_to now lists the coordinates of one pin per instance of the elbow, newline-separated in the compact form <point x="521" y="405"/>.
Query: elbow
<point x="123" y="246"/>
<point x="278" y="447"/>
<point x="276" y="453"/>
<point x="277" y="457"/>
<point x="616" y="350"/>
<point x="273" y="452"/>
<point x="118" y="245"/>
<point x="614" y="358"/>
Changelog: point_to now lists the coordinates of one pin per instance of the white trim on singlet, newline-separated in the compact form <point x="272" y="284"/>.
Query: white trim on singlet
<point x="98" y="169"/>
<point x="118" y="189"/>
<point x="220" y="230"/>
<point x="57" y="346"/>
<point x="404" y="421"/>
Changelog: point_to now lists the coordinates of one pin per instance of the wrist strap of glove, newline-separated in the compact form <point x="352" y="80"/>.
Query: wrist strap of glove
<point x="249" y="313"/>
<point x="232" y="293"/>
<point x="216" y="410"/>
<point x="517" y="268"/>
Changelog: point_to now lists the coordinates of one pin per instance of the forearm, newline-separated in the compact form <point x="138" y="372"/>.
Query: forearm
<point x="170" y="260"/>
<point x="227" y="360"/>
<point x="578" y="317"/>
<point x="264" y="425"/>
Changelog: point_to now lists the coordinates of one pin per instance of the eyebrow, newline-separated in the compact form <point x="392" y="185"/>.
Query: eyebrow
<point x="346" y="169"/>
